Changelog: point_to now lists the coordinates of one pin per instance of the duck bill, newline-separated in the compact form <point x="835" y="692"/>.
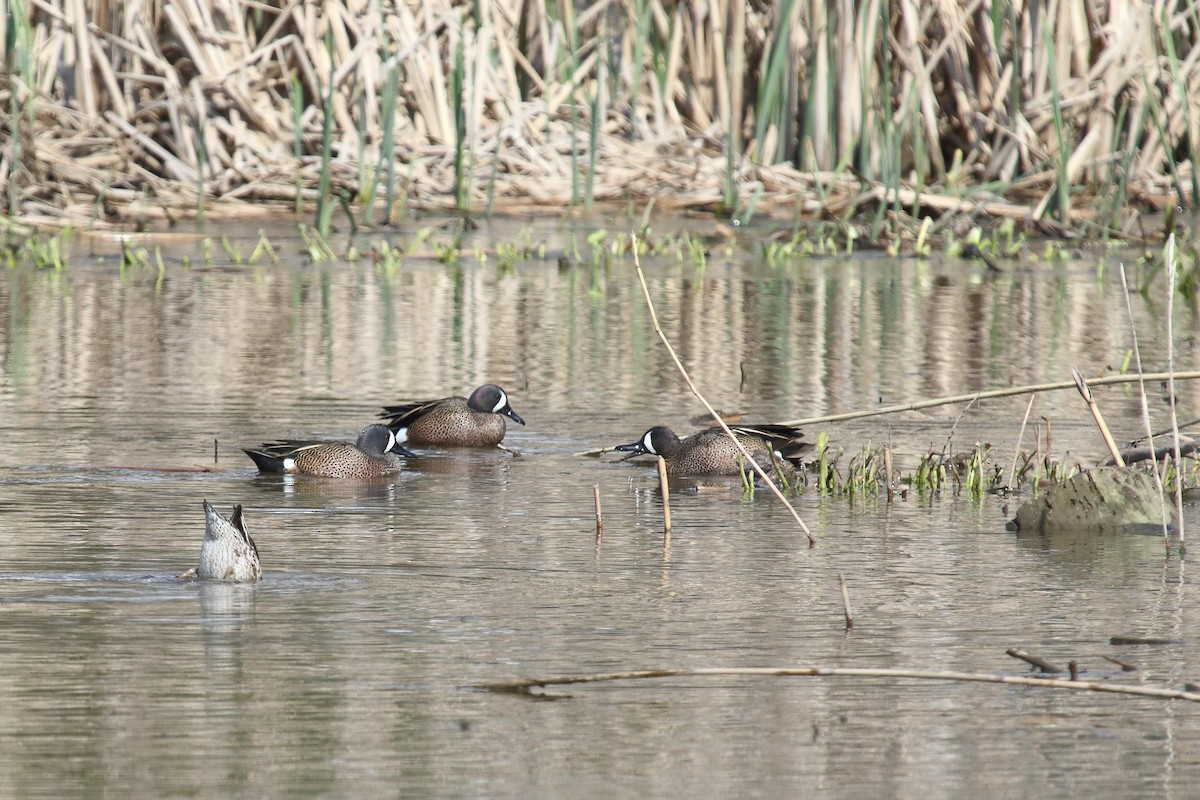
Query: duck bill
<point x="514" y="416"/>
<point x="633" y="448"/>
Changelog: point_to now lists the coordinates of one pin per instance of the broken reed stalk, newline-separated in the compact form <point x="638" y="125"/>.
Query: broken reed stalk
<point x="888" y="473"/>
<point x="1144" y="406"/>
<point x="846" y="602"/>
<point x="812" y="540"/>
<point x="599" y="516"/>
<point x="1094" y="407"/>
<point x="525" y="685"/>
<point x="1040" y="663"/>
<point x="1171" y="268"/>
<point x="666" y="495"/>
<point x="1012" y="471"/>
<point x="990" y="393"/>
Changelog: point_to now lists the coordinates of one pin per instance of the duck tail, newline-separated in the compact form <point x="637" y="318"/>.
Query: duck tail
<point x="265" y="461"/>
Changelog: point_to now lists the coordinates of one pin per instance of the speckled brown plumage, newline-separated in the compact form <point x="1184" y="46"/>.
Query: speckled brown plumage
<point x="710" y="452"/>
<point x="372" y="456"/>
<point x="475" y="421"/>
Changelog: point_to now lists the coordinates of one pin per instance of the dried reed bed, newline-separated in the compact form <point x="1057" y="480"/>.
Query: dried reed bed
<point x="1072" y="111"/>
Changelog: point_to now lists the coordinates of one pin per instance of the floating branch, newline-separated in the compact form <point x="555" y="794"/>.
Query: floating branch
<point x="525" y="686"/>
<point x="1010" y="392"/>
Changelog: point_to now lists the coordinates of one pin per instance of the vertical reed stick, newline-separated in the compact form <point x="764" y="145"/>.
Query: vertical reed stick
<point x="1171" y="267"/>
<point x="887" y="471"/>
<point x="846" y="602"/>
<point x="215" y="445"/>
<point x="666" y="496"/>
<point x="1008" y="487"/>
<point x="599" y="516"/>
<point x="1082" y="386"/>
<point x="812" y="540"/>
<point x="1145" y="409"/>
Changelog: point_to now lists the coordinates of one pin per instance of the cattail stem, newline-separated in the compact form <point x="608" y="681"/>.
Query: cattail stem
<point x="666" y="496"/>
<point x="846" y="602"/>
<point x="599" y="516"/>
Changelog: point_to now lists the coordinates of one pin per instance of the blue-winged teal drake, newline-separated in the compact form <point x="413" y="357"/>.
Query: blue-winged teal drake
<point x="375" y="454"/>
<point x="475" y="421"/>
<point x="709" y="452"/>
<point x="228" y="552"/>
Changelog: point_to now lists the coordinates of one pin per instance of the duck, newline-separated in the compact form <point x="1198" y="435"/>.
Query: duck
<point x="475" y="421"/>
<point x="228" y="553"/>
<point x="710" y="452"/>
<point x="374" y="454"/>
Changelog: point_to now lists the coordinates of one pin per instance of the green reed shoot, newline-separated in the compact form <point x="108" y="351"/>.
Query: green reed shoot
<point x="297" y="105"/>
<point x="162" y="270"/>
<point x="324" y="214"/>
<point x="235" y="255"/>
<point x="315" y="244"/>
<point x="389" y="99"/>
<point x="1062" y="190"/>
<point x="1184" y="93"/>
<point x="263" y="248"/>
<point x="458" y="93"/>
<point x="201" y="161"/>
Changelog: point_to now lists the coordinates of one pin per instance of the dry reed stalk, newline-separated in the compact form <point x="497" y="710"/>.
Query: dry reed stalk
<point x="1098" y="416"/>
<point x="1143" y="406"/>
<point x="1107" y="380"/>
<point x="1012" y="470"/>
<point x="749" y="460"/>
<point x="599" y="516"/>
<point x="1171" y="267"/>
<point x="665" y="488"/>
<point x="525" y="686"/>
<point x="846" y="602"/>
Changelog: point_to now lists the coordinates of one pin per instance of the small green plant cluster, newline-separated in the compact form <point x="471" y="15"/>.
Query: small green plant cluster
<point x="824" y="238"/>
<point x="43" y="251"/>
<point x="975" y="472"/>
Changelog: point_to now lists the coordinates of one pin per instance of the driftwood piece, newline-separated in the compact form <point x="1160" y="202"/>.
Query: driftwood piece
<point x="1037" y="661"/>
<point x="1108" y="498"/>
<point x="1133" y="455"/>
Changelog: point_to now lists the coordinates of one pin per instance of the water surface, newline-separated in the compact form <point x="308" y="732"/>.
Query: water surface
<point x="346" y="672"/>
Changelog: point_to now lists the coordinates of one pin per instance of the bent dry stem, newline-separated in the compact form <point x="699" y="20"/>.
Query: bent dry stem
<point x="708" y="406"/>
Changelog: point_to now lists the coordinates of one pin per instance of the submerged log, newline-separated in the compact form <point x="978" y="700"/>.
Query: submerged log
<point x="1104" y="499"/>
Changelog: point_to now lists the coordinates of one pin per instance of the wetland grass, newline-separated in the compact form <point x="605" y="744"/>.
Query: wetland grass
<point x="883" y="113"/>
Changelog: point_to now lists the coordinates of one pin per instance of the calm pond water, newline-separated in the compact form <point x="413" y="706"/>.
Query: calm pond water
<point x="346" y="672"/>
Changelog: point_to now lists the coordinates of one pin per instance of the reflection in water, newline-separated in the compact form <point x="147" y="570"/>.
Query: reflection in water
<point x="342" y="672"/>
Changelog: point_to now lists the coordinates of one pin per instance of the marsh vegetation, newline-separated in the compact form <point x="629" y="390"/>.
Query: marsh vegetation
<point x="1072" y="118"/>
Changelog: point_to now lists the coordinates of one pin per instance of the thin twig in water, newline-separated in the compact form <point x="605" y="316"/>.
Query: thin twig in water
<point x="812" y="540"/>
<point x="954" y="427"/>
<point x="1040" y="663"/>
<point x="524" y="686"/>
<point x="1137" y="360"/>
<point x="599" y="516"/>
<point x="1171" y="267"/>
<point x="846" y="602"/>
<point x="1017" y="450"/>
